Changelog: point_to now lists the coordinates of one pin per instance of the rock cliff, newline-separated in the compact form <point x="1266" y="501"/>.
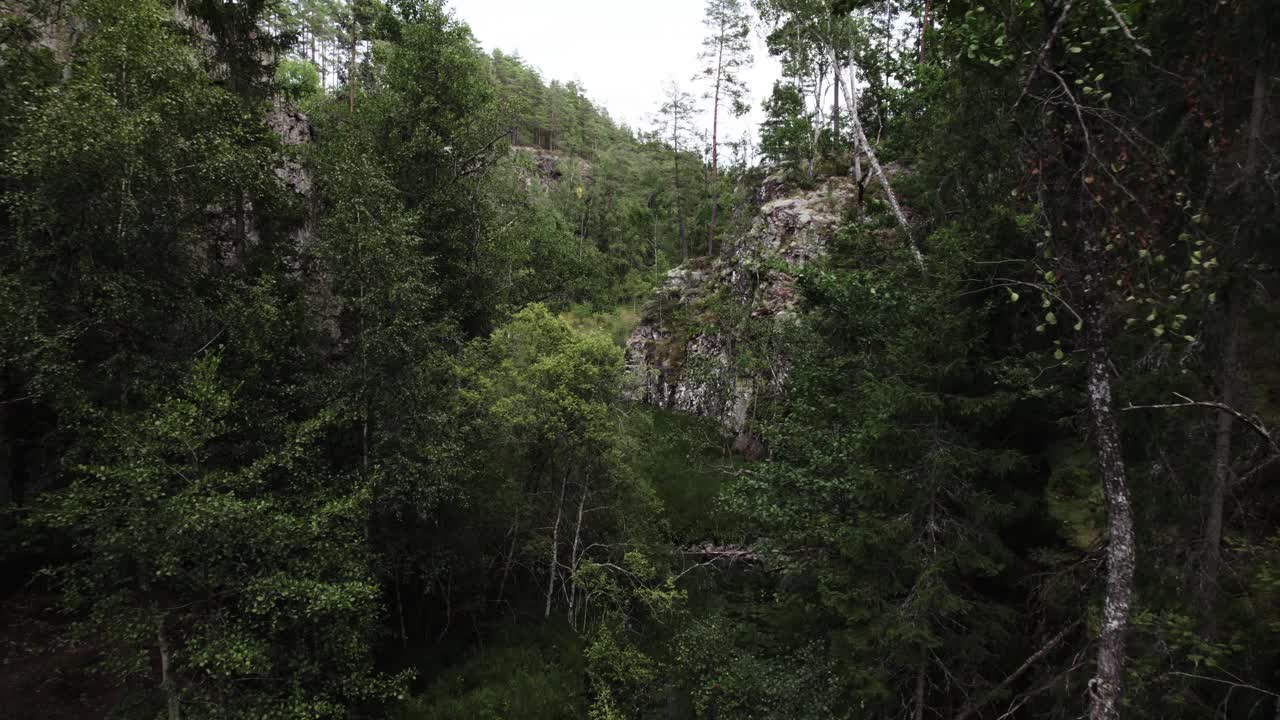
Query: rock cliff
<point x="707" y="342"/>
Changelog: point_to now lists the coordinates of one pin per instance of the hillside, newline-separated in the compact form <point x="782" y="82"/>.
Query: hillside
<point x="348" y="370"/>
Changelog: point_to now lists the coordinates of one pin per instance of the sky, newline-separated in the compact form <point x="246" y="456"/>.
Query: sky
<point x="621" y="51"/>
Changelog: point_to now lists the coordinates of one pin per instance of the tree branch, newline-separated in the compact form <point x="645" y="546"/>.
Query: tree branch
<point x="1056" y="640"/>
<point x="1044" y="51"/>
<point x="1125" y="27"/>
<point x="1251" y="421"/>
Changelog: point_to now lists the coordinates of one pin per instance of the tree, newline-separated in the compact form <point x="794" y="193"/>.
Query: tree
<point x="786" y="131"/>
<point x="549" y="396"/>
<point x="255" y="602"/>
<point x="676" y="118"/>
<point x="726" y="53"/>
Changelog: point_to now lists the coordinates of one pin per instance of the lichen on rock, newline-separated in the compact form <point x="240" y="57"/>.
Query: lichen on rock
<point x="690" y="351"/>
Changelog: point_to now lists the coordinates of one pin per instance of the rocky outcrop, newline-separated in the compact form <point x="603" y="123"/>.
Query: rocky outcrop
<point x="548" y="167"/>
<point x="294" y="129"/>
<point x="689" y="352"/>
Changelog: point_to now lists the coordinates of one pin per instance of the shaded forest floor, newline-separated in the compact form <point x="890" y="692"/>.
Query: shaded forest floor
<point x="44" y="676"/>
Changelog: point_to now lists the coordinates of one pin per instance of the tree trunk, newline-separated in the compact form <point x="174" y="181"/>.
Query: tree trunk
<point x="7" y="455"/>
<point x="166" y="672"/>
<point x="924" y="28"/>
<point x="861" y="143"/>
<point x="573" y="556"/>
<point x="1260" y="84"/>
<point x="715" y="151"/>
<point x="1233" y="299"/>
<point x="511" y="555"/>
<point x="835" y="109"/>
<point x="920" y="680"/>
<point x="404" y="636"/>
<point x="1106" y="687"/>
<point x="351" y="73"/>
<point x="684" y="239"/>
<point x="1215" y="496"/>
<point x="554" y="564"/>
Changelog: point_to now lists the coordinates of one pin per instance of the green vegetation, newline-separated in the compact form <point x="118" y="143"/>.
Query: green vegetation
<point x="314" y="389"/>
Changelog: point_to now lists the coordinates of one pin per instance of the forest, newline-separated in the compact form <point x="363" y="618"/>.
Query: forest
<point x="350" y="370"/>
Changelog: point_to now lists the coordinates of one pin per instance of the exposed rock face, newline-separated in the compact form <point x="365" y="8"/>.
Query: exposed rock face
<point x="549" y="167"/>
<point x="293" y="129"/>
<point x="239" y="222"/>
<point x="686" y="353"/>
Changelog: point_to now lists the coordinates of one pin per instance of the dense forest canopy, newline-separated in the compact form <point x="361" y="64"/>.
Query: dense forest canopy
<point x="350" y="371"/>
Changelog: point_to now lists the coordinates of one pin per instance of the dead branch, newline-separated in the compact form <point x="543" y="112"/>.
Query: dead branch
<point x="1259" y="469"/>
<point x="1233" y="684"/>
<point x="1125" y="27"/>
<point x="1056" y="640"/>
<point x="1044" y="51"/>
<point x="864" y="145"/>
<point x="1251" y="421"/>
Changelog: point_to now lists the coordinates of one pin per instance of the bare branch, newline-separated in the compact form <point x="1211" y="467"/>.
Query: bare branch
<point x="851" y="100"/>
<point x="1075" y="104"/>
<point x="1056" y="640"/>
<point x="1125" y="27"/>
<point x="1252" y="421"/>
<point x="1244" y="686"/>
<point x="1259" y="469"/>
<point x="1044" y="51"/>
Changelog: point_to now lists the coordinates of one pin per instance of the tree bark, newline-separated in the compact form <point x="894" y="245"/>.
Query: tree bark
<point x="920" y="680"/>
<point x="715" y="150"/>
<point x="573" y="556"/>
<point x="351" y="72"/>
<point x="1106" y="687"/>
<point x="835" y="109"/>
<point x="395" y="579"/>
<point x="864" y="145"/>
<point x="553" y="564"/>
<point x="971" y="709"/>
<point x="924" y="28"/>
<point x="675" y="141"/>
<point x="1257" y="116"/>
<point x="166" y="672"/>
<point x="1215" y="497"/>
<point x="511" y="555"/>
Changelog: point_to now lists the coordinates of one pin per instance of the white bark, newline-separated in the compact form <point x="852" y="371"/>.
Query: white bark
<point x="553" y="565"/>
<point x="1106" y="687"/>
<point x="864" y="146"/>
<point x="573" y="555"/>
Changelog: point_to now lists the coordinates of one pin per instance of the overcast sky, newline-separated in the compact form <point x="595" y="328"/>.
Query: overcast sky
<point x="621" y="51"/>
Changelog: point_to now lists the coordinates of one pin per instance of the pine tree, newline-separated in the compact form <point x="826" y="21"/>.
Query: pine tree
<point x="726" y="52"/>
<point x="676" y="117"/>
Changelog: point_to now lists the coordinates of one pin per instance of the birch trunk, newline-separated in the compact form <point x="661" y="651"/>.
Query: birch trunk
<point x="860" y="138"/>
<point x="554" y="563"/>
<point x="1106" y="687"/>
<point x="573" y="555"/>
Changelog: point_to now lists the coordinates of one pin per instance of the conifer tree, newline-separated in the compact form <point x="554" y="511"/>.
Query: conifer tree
<point x="677" y="128"/>
<point x="726" y="53"/>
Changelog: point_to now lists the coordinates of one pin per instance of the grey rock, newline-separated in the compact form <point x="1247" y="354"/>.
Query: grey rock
<point x="684" y="355"/>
